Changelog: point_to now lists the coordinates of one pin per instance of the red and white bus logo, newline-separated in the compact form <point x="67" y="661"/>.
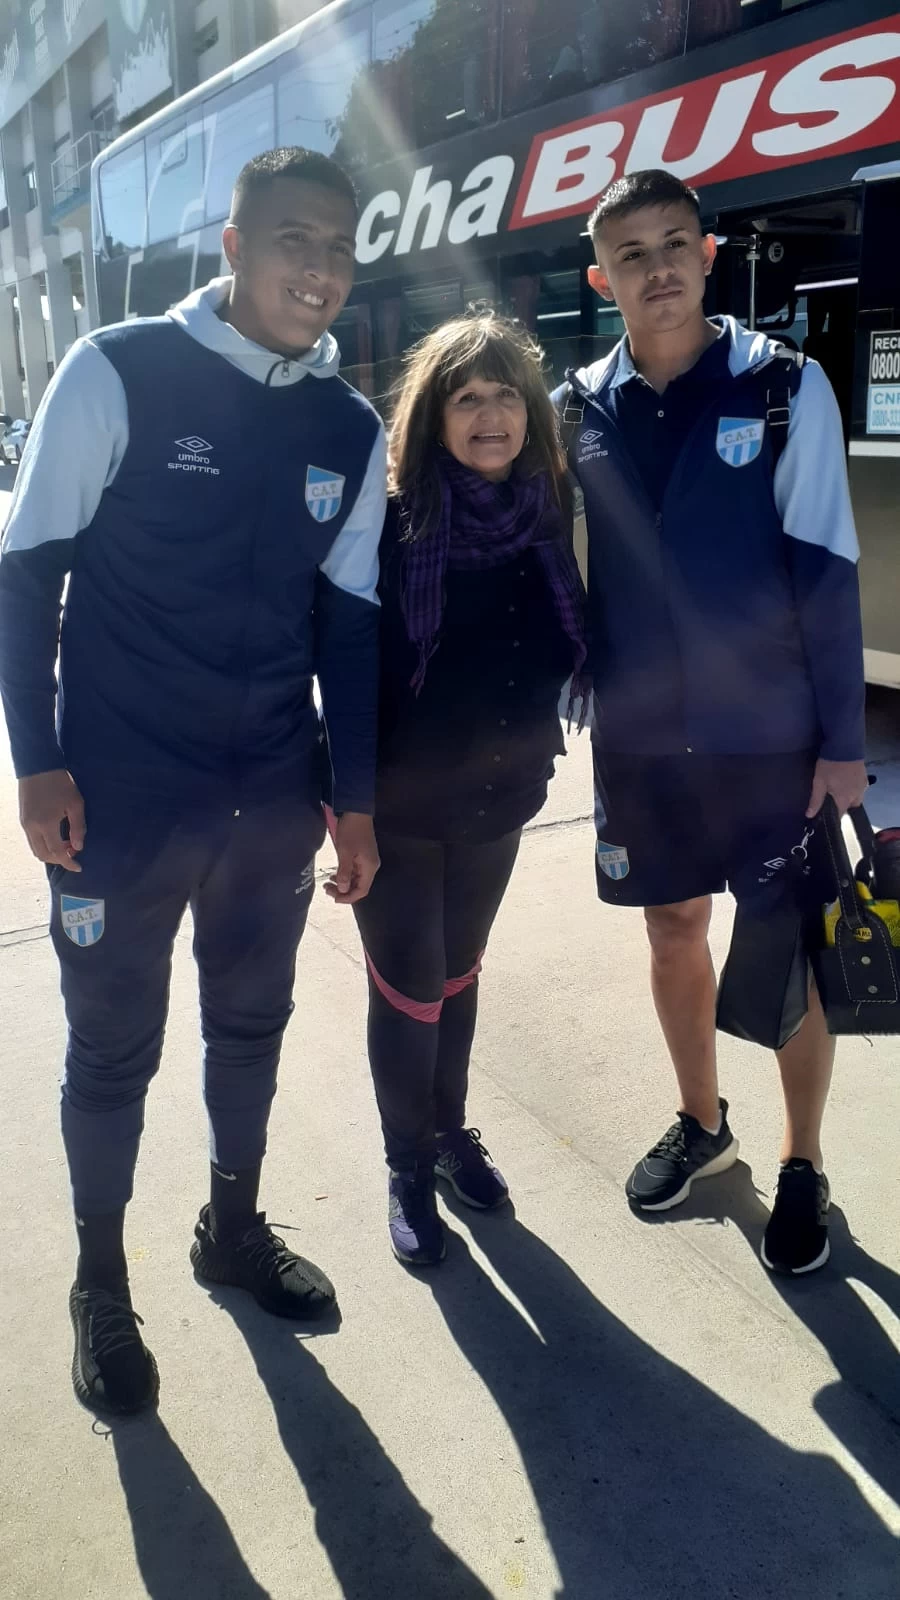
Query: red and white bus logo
<point x="824" y="99"/>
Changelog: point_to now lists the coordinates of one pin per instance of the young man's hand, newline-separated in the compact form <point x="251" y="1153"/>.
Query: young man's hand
<point x="846" y="782"/>
<point x="357" y="859"/>
<point x="46" y="801"/>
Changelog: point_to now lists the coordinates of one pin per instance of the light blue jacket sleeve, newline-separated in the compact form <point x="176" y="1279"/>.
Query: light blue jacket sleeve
<point x="346" y="648"/>
<point x="352" y="561"/>
<point x="77" y="442"/>
<point x="813" y="499"/>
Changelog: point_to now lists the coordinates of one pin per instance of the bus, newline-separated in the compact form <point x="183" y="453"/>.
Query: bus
<point x="481" y="133"/>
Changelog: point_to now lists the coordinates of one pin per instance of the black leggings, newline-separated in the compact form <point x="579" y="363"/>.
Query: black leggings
<point x="424" y="926"/>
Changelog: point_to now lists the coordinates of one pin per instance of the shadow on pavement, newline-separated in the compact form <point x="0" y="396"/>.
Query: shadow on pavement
<point x="649" y="1484"/>
<point x="866" y="1357"/>
<point x="378" y="1537"/>
<point x="182" y="1542"/>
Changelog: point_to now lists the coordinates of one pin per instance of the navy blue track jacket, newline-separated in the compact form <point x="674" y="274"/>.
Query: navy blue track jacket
<point x="218" y="510"/>
<point x="726" y="620"/>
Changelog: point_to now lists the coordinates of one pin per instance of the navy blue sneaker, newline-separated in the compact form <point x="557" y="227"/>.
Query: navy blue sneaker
<point x="416" y="1230"/>
<point x="463" y="1162"/>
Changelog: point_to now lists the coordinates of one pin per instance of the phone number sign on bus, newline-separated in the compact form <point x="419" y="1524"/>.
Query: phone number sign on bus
<point x="883" y="409"/>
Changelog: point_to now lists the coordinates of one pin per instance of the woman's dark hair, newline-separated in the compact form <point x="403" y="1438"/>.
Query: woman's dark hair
<point x="483" y="345"/>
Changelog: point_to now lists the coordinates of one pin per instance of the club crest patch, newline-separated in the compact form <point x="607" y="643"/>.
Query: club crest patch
<point x="83" y="921"/>
<point x="324" y="493"/>
<point x="612" y="859"/>
<point x="739" y="440"/>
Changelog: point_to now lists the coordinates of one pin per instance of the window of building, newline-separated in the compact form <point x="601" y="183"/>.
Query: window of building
<point x="320" y="92"/>
<point x="175" y="180"/>
<point x="206" y="38"/>
<point x="103" y="120"/>
<point x="31" y="189"/>
<point x="239" y="123"/>
<point x="123" y="201"/>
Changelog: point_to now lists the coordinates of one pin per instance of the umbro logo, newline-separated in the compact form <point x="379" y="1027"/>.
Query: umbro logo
<point x="194" y="444"/>
<point x="193" y="456"/>
<point x="590" y="436"/>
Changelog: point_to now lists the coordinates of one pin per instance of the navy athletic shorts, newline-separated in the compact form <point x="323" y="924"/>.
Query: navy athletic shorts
<point x="673" y="828"/>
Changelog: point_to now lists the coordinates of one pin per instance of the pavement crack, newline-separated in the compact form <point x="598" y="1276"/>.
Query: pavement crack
<point x="14" y="936"/>
<point x="558" y="824"/>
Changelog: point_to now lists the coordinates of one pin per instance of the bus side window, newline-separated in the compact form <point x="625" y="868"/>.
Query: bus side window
<point x="321" y="88"/>
<point x="123" y="201"/>
<point x="174" y="181"/>
<point x="238" y="123"/>
<point x="437" y="65"/>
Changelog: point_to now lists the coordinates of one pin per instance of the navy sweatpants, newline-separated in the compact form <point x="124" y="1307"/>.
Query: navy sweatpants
<point x="248" y="878"/>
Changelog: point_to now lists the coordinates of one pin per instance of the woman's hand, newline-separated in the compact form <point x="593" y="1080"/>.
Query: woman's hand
<point x="357" y="859"/>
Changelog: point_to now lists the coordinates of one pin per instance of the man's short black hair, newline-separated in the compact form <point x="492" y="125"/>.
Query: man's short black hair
<point x="291" y="161"/>
<point x="654" y="187"/>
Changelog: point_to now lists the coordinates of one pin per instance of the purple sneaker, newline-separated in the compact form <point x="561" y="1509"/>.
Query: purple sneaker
<point x="416" y="1230"/>
<point x="463" y="1162"/>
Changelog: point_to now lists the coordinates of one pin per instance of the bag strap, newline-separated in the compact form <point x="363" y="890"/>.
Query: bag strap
<point x="865" y="834"/>
<point x="782" y="380"/>
<point x="840" y="861"/>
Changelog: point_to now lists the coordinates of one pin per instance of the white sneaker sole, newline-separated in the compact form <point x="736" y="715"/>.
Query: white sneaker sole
<point x="799" y="1272"/>
<point x="796" y="1272"/>
<point x="720" y="1163"/>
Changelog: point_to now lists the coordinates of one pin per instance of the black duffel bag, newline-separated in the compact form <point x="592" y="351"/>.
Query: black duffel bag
<point x="855" y="961"/>
<point x="764" y="985"/>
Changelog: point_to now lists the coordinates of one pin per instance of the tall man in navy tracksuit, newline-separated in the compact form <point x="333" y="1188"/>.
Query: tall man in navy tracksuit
<point x="216" y="493"/>
<point x="727" y="655"/>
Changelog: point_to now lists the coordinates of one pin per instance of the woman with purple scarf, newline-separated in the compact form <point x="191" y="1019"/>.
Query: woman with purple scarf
<point x="482" y="625"/>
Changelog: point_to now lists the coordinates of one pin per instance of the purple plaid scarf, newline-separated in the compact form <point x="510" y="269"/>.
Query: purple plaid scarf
<point x="482" y="525"/>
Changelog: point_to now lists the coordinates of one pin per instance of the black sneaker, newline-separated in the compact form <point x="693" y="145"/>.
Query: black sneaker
<point x="417" y="1233"/>
<point x="258" y="1261"/>
<point x="463" y="1162"/>
<point x="796" y="1239"/>
<point x="112" y="1369"/>
<point x="685" y="1152"/>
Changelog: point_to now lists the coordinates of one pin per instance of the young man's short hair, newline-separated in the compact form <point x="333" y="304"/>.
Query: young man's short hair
<point x="654" y="187"/>
<point x="291" y="161"/>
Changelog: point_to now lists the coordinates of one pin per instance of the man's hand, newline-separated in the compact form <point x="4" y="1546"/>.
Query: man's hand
<point x="45" y="802"/>
<point x="357" y="859"/>
<point x="846" y="782"/>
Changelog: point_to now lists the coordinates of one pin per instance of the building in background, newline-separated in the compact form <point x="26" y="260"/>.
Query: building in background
<point x="74" y="74"/>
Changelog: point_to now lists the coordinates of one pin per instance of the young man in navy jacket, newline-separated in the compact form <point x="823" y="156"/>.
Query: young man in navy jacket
<point x="216" y="494"/>
<point x="727" y="657"/>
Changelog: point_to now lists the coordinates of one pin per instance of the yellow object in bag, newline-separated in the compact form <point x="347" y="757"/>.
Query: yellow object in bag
<point x="887" y="911"/>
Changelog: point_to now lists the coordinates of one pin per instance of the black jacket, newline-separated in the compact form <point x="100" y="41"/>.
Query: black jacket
<point x="470" y="757"/>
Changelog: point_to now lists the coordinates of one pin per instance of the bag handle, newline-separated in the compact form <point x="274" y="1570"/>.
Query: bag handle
<point x="840" y="859"/>
<point x="865" y="834"/>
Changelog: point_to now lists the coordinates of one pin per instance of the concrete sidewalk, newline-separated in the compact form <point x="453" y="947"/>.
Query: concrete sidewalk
<point x="576" y="1403"/>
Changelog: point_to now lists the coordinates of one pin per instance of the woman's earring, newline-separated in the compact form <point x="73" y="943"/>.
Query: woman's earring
<point x="527" y="438"/>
